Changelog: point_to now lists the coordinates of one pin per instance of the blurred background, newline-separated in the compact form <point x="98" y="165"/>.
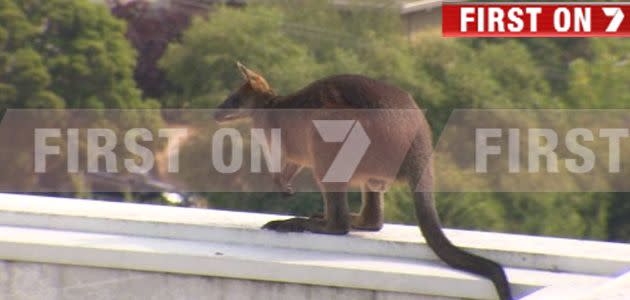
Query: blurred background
<point x="181" y="53"/>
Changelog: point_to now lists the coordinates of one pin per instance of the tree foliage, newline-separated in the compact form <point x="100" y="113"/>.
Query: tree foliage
<point x="150" y="28"/>
<point x="62" y="53"/>
<point x="202" y="67"/>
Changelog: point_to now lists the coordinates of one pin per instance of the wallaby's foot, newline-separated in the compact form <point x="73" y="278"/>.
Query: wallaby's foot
<point x="289" y="225"/>
<point x="360" y="223"/>
<point x="316" y="225"/>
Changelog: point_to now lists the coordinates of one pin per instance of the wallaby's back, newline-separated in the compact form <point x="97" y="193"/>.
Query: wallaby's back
<point x="349" y="91"/>
<point x="389" y="116"/>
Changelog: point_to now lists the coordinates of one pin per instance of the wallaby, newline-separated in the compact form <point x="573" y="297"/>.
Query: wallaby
<point x="304" y="149"/>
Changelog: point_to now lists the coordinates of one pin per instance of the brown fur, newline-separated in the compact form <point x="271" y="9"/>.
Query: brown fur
<point x="400" y="136"/>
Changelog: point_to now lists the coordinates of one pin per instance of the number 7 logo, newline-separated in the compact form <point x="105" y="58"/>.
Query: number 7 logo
<point x="617" y="17"/>
<point x="355" y="144"/>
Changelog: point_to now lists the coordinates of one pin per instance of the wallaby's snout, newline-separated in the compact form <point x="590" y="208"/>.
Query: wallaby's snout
<point x="229" y="110"/>
<point x="222" y="116"/>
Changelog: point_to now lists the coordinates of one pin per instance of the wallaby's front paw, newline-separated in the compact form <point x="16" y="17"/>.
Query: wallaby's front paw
<point x="317" y="215"/>
<point x="288" y="191"/>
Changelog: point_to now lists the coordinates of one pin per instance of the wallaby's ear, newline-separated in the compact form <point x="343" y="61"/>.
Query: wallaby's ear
<point x="255" y="80"/>
<point x="244" y="70"/>
<point x="247" y="73"/>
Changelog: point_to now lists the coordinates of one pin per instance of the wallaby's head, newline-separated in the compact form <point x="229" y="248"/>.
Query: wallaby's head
<point x="254" y="93"/>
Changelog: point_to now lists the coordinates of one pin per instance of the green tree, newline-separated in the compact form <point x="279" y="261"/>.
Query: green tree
<point x="203" y="66"/>
<point x="600" y="81"/>
<point x="64" y="53"/>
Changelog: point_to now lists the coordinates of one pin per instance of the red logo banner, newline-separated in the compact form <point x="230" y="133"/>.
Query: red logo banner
<point x="536" y="20"/>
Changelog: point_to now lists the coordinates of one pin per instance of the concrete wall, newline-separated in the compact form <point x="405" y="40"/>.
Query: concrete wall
<point x="37" y="281"/>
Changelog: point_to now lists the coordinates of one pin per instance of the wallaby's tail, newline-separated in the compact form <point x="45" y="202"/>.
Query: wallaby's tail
<point x="418" y="170"/>
<point x="453" y="256"/>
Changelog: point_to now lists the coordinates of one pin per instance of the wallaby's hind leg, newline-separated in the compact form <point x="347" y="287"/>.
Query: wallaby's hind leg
<point x="336" y="220"/>
<point x="370" y="217"/>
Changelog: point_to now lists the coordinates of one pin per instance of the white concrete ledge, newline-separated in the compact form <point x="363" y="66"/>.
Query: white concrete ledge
<point x="614" y="289"/>
<point x="521" y="251"/>
<point x="266" y="264"/>
<point x="229" y="244"/>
